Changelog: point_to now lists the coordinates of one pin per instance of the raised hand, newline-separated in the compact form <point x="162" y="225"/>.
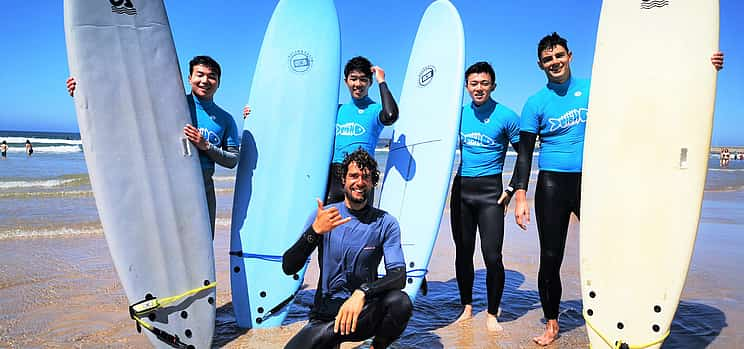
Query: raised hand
<point x="327" y="219"/>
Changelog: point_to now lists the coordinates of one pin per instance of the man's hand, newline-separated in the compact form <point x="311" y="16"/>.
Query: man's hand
<point x="521" y="210"/>
<point x="246" y="111"/>
<point x="71" y="84"/>
<point x="717" y="60"/>
<point x="348" y="315"/>
<point x="379" y="74"/>
<point x="193" y="134"/>
<point x="327" y="219"/>
<point x="504" y="199"/>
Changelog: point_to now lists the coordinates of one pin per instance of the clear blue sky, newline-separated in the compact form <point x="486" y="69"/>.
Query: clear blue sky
<point x="502" y="32"/>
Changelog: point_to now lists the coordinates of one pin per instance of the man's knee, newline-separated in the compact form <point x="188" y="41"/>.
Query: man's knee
<point x="399" y="304"/>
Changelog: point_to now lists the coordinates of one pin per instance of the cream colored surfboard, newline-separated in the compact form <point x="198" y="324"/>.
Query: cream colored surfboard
<point x="652" y="95"/>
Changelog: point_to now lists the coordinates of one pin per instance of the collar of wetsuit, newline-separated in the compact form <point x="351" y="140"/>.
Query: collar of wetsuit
<point x="560" y="88"/>
<point x="204" y="104"/>
<point x="484" y="110"/>
<point x="362" y="102"/>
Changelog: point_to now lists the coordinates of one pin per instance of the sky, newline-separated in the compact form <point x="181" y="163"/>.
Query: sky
<point x="504" y="33"/>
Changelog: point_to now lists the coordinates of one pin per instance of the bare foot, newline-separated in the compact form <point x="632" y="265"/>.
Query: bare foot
<point x="550" y="334"/>
<point x="467" y="313"/>
<point x="492" y="323"/>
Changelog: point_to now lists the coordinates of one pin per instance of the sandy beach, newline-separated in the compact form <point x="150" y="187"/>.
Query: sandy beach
<point x="63" y="292"/>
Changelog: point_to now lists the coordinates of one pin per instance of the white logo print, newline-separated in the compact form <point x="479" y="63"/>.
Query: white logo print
<point x="477" y="139"/>
<point x="210" y="136"/>
<point x="350" y="129"/>
<point x="570" y="118"/>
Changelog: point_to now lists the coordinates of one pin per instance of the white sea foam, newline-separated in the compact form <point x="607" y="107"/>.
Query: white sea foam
<point x="40" y="183"/>
<point x="21" y="140"/>
<point x="48" y="149"/>
<point x="49" y="232"/>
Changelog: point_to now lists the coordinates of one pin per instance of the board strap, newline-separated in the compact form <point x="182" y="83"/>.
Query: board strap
<point x="150" y="305"/>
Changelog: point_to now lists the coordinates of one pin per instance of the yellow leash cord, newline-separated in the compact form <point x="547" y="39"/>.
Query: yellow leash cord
<point x="621" y="344"/>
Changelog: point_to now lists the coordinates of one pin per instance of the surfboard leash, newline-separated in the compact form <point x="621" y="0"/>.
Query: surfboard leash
<point x="148" y="306"/>
<point x="619" y="344"/>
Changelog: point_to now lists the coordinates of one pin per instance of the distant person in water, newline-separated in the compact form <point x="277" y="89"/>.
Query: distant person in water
<point x="725" y="157"/>
<point x="29" y="148"/>
<point x="4" y="149"/>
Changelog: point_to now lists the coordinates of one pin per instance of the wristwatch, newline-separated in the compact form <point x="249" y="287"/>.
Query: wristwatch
<point x="509" y="190"/>
<point x="311" y="237"/>
<point x="365" y="288"/>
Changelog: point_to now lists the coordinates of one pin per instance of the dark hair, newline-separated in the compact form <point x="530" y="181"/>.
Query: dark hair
<point x="206" y="61"/>
<point x="481" y="67"/>
<point x="359" y="64"/>
<point x="364" y="161"/>
<point x="551" y="41"/>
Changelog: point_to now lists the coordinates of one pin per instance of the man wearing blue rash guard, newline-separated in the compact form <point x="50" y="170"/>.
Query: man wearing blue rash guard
<point x="352" y="237"/>
<point x="558" y="114"/>
<point x="360" y="121"/>
<point x="213" y="130"/>
<point x="486" y="129"/>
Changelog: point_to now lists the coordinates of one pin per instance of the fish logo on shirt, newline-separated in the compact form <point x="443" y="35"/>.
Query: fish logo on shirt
<point x="477" y="139"/>
<point x="350" y="129"/>
<point x="570" y="118"/>
<point x="210" y="136"/>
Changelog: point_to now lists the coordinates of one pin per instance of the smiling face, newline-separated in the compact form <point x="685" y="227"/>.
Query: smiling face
<point x="357" y="186"/>
<point x="204" y="82"/>
<point x="556" y="63"/>
<point x="358" y="84"/>
<point x="480" y="86"/>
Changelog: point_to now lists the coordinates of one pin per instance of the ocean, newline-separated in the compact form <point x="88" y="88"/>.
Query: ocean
<point x="64" y="292"/>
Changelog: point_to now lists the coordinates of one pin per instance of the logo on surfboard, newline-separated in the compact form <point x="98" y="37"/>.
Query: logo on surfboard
<point x="426" y="75"/>
<point x="300" y="61"/>
<point x="649" y="4"/>
<point x="123" y="7"/>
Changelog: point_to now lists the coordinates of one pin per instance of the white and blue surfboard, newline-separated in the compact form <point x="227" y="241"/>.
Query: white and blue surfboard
<point x="419" y="163"/>
<point x="145" y="174"/>
<point x="286" y="149"/>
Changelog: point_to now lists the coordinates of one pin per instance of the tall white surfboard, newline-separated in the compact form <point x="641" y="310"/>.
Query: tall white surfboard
<point x="286" y="150"/>
<point x="145" y="176"/>
<point x="419" y="164"/>
<point x="645" y="161"/>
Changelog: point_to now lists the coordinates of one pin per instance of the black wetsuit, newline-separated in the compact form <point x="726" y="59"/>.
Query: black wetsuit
<point x="348" y="257"/>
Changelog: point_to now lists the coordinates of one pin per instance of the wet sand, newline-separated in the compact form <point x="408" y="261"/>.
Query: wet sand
<point x="63" y="292"/>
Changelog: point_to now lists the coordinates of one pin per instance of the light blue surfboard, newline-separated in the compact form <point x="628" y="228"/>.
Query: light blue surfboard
<point x="419" y="164"/>
<point x="285" y="153"/>
<point x="145" y="174"/>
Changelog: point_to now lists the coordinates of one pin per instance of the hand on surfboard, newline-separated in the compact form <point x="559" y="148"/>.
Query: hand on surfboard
<point x="379" y="74"/>
<point x="327" y="219"/>
<point x="521" y="209"/>
<point x="193" y="134"/>
<point x="71" y="84"/>
<point x="717" y="60"/>
<point x="246" y="111"/>
<point x="348" y="315"/>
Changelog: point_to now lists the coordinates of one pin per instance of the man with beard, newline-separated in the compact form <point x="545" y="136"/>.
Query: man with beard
<point x="351" y="303"/>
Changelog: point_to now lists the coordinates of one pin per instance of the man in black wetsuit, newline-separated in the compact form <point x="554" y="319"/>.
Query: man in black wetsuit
<point x="351" y="303"/>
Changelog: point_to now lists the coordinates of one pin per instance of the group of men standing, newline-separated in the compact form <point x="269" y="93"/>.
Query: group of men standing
<point x="352" y="237"/>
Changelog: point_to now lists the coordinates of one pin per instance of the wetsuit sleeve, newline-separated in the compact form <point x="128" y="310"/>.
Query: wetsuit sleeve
<point x="522" y="167"/>
<point x="296" y="256"/>
<point x="512" y="134"/>
<point x="389" y="113"/>
<point x="394" y="279"/>
<point x="224" y="157"/>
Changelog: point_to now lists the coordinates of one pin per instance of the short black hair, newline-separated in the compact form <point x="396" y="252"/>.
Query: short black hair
<point x="551" y="41"/>
<point x="363" y="160"/>
<point x="481" y="67"/>
<point x="359" y="64"/>
<point x="208" y="62"/>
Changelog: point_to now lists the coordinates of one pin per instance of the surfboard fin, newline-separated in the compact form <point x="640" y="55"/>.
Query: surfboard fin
<point x="424" y="287"/>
